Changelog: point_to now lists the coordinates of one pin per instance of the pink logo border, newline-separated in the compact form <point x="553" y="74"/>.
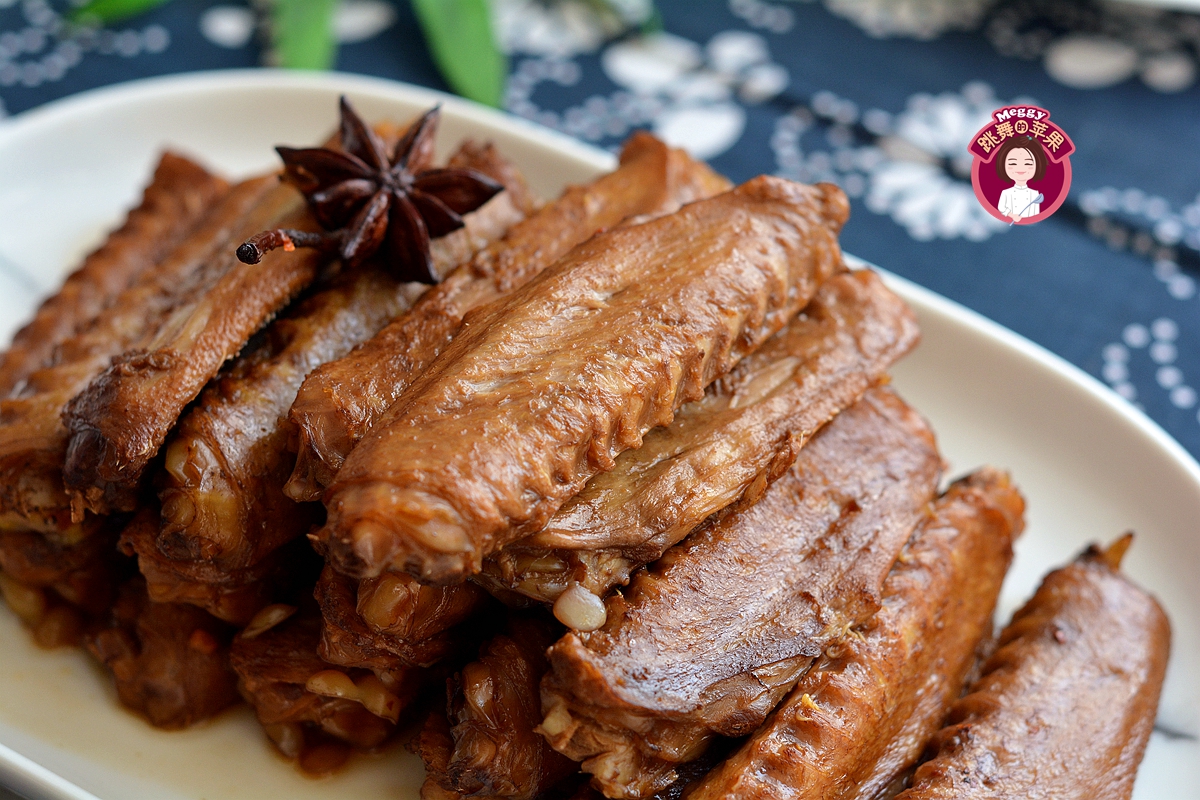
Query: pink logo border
<point x="978" y="161"/>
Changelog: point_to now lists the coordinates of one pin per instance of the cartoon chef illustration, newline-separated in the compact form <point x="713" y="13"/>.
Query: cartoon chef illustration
<point x="1021" y="159"/>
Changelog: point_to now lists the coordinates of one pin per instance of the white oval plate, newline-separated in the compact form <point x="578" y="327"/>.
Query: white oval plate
<point x="1090" y="465"/>
<point x="1170" y="5"/>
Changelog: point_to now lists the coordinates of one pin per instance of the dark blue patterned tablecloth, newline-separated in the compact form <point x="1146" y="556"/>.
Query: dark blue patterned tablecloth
<point x="803" y="89"/>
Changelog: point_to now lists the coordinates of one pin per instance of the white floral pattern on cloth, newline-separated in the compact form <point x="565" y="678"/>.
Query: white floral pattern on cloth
<point x="690" y="96"/>
<point x="233" y="26"/>
<point x="1095" y="45"/>
<point x="359" y="20"/>
<point x="228" y="26"/>
<point x="1084" y="45"/>
<point x="1165" y="225"/>
<point x="912" y="166"/>
<point x="46" y="48"/>
<point x="1158" y="341"/>
<point x="566" y="28"/>
<point x="772" y="17"/>
<point x="1179" y="284"/>
<point x="1149" y="227"/>
<point x="920" y="19"/>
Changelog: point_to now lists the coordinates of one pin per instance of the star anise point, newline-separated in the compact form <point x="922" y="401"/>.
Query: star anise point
<point x="366" y="199"/>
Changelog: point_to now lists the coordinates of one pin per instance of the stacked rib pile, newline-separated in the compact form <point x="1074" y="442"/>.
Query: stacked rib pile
<point x="628" y="482"/>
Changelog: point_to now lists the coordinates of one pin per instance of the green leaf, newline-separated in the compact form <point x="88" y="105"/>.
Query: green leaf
<point x="302" y="33"/>
<point x="459" y="35"/>
<point x="105" y="11"/>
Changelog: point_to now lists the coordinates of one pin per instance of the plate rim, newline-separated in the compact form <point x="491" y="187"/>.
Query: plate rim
<point x="25" y="775"/>
<point x="1044" y="358"/>
<point x="146" y="89"/>
<point x="22" y="774"/>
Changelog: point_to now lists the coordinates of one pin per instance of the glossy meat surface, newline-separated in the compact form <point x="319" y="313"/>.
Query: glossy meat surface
<point x="859" y="719"/>
<point x="227" y="462"/>
<point x="393" y="619"/>
<point x="59" y="588"/>
<point x="170" y="661"/>
<point x="233" y="595"/>
<point x="724" y="448"/>
<point x="85" y="573"/>
<point x="494" y="706"/>
<point x="687" y="776"/>
<point x="119" y="422"/>
<point x="33" y="438"/>
<point x="546" y="387"/>
<point x="491" y="221"/>
<point x="176" y="199"/>
<point x="711" y="636"/>
<point x="1064" y="708"/>
<point x="277" y="671"/>
<point x="340" y="402"/>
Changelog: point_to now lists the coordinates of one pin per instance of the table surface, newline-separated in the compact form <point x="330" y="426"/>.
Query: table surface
<point x="1109" y="282"/>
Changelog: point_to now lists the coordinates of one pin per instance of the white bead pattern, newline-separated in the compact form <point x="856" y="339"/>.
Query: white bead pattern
<point x="47" y="49"/>
<point x="1158" y="339"/>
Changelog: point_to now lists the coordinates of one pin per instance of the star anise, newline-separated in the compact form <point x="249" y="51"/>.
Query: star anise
<point x="366" y="200"/>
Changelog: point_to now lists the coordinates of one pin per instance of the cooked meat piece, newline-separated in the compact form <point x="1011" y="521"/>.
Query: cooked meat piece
<point x="862" y="715"/>
<point x="176" y="199"/>
<point x="170" y="661"/>
<point x="493" y="706"/>
<point x="723" y="448"/>
<point x="687" y="776"/>
<point x="118" y="423"/>
<point x="227" y="462"/>
<point x="85" y="573"/>
<point x="55" y="586"/>
<point x="340" y="402"/>
<point x="235" y="601"/>
<point x="393" y="619"/>
<point x="32" y="436"/>
<point x="233" y="595"/>
<point x="434" y="745"/>
<point x="709" y="638"/>
<point x="544" y="388"/>
<point x="297" y="696"/>
<point x="493" y="219"/>
<point x="1065" y="706"/>
<point x="51" y="620"/>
